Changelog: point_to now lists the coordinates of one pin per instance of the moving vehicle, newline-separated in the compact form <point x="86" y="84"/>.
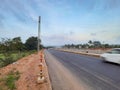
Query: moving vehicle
<point x="112" y="56"/>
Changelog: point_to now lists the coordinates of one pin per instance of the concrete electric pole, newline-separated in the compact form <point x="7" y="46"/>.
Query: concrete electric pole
<point x="39" y="40"/>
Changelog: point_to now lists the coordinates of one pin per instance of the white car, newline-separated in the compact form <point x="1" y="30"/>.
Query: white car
<point x="112" y="56"/>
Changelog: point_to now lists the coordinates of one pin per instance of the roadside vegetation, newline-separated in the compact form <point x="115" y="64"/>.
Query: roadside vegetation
<point x="8" y="81"/>
<point x="92" y="45"/>
<point x="13" y="49"/>
<point x="8" y="58"/>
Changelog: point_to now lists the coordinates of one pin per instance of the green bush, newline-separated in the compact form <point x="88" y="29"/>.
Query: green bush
<point x="8" y="81"/>
<point x="11" y="78"/>
<point x="8" y="59"/>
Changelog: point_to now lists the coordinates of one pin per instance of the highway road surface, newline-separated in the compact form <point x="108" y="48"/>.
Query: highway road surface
<point x="70" y="71"/>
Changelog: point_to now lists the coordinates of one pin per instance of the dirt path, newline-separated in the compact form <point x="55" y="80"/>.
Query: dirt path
<point x="28" y="68"/>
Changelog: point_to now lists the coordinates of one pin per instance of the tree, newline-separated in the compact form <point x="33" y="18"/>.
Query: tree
<point x="17" y="44"/>
<point x="5" y="45"/>
<point x="31" y="43"/>
<point x="14" y="44"/>
<point x="90" y="42"/>
<point x="97" y="44"/>
<point x="106" y="45"/>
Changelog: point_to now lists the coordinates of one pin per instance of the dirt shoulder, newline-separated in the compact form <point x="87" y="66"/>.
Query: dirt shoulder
<point x="29" y="70"/>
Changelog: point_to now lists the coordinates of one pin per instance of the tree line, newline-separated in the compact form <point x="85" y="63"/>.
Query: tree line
<point x="16" y="44"/>
<point x="92" y="44"/>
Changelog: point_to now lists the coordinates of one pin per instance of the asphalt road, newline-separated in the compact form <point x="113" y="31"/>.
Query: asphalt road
<point x="70" y="71"/>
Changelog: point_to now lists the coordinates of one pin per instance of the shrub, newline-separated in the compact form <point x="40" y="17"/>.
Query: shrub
<point x="8" y="59"/>
<point x="8" y="82"/>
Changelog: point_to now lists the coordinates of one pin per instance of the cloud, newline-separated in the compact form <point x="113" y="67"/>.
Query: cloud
<point x="93" y="34"/>
<point x="61" y="19"/>
<point x="58" y="39"/>
<point x="99" y="32"/>
<point x="18" y="9"/>
<point x="103" y="31"/>
<point x="1" y="20"/>
<point x="111" y="4"/>
<point x="1" y="24"/>
<point x="118" y="38"/>
<point x="65" y="38"/>
<point x="72" y="33"/>
<point x="14" y="8"/>
<point x="54" y="39"/>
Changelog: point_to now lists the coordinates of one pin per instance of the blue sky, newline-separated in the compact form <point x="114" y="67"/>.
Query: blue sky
<point x="62" y="21"/>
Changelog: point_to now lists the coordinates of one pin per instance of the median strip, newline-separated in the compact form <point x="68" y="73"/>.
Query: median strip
<point x="89" y="54"/>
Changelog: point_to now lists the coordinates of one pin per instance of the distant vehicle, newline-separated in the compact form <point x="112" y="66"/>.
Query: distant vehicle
<point x="112" y="56"/>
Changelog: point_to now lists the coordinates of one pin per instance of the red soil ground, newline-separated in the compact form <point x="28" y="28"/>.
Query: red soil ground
<point x="29" y="70"/>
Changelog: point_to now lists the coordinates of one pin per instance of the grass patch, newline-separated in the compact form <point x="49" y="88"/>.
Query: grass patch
<point x="8" y="82"/>
<point x="10" y="57"/>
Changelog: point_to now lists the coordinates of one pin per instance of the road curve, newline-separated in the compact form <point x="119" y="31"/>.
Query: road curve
<point x="70" y="71"/>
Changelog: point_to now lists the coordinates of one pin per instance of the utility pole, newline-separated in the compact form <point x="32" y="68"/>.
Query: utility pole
<point x="38" y="47"/>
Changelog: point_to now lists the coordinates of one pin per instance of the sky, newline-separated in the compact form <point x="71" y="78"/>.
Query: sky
<point x="62" y="21"/>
